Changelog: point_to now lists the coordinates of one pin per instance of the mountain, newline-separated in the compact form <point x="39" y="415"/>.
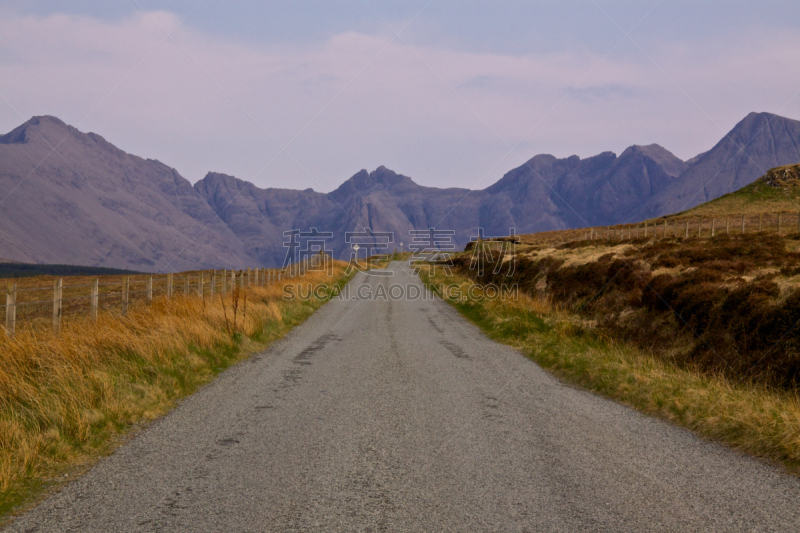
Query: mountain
<point x="759" y="142"/>
<point x="73" y="198"/>
<point x="548" y="193"/>
<point x="381" y="200"/>
<point x="544" y="194"/>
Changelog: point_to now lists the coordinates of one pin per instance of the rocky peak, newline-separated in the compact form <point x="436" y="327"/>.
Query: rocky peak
<point x="44" y="125"/>
<point x="669" y="162"/>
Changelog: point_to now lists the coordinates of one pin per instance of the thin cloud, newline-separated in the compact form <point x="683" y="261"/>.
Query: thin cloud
<point x="399" y="113"/>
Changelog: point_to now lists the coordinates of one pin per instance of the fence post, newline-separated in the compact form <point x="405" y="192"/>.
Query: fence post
<point x="779" y="223"/>
<point x="233" y="280"/>
<point x="223" y="288"/>
<point x="213" y="281"/>
<point x="11" y="309"/>
<point x="150" y="288"/>
<point x="248" y="277"/>
<point x="200" y="287"/>
<point x="712" y="227"/>
<point x="686" y="230"/>
<point x="126" y="286"/>
<point x="759" y="222"/>
<point x="742" y="224"/>
<point x="57" y="286"/>
<point x="727" y="225"/>
<point x="95" y="298"/>
<point x="169" y="285"/>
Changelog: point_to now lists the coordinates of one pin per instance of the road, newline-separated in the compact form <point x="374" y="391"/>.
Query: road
<point x="380" y="415"/>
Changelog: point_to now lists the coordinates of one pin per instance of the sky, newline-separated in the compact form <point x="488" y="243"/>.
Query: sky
<point x="453" y="93"/>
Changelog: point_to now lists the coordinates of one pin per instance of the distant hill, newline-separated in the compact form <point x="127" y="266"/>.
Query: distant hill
<point x="72" y="197"/>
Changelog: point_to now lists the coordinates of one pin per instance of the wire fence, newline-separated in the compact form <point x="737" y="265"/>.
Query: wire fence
<point x="48" y="306"/>
<point x="676" y="227"/>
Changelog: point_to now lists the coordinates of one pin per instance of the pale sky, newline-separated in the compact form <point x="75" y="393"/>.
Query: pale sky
<point x="452" y="93"/>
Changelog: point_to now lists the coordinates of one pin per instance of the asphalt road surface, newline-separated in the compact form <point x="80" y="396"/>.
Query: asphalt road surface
<point x="380" y="415"/>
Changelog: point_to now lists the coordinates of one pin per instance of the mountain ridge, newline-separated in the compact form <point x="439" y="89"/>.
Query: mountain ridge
<point x="79" y="199"/>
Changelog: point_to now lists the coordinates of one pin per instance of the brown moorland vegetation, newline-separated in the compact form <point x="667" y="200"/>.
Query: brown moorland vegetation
<point x="728" y="304"/>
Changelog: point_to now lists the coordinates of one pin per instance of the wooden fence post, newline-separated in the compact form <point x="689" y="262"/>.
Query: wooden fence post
<point x="150" y="288"/>
<point x="57" y="287"/>
<point x="727" y="225"/>
<point x="712" y="227"/>
<point x="169" y="285"/>
<point x="95" y="298"/>
<point x="126" y="287"/>
<point x="742" y="224"/>
<point x="200" y="287"/>
<point x="686" y="230"/>
<point x="11" y="309"/>
<point x="213" y="281"/>
<point x="233" y="280"/>
<point x="759" y="222"/>
<point x="248" y="277"/>
<point x="224" y="287"/>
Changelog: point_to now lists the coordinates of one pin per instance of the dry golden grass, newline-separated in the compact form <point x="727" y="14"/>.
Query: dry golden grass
<point x="754" y="418"/>
<point x="63" y="398"/>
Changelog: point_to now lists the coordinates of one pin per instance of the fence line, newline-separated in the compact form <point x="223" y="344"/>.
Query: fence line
<point x="34" y="304"/>
<point x="696" y="226"/>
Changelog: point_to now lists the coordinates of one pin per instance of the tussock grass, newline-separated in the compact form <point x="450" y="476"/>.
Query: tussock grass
<point x="725" y="304"/>
<point x="64" y="398"/>
<point x="751" y="417"/>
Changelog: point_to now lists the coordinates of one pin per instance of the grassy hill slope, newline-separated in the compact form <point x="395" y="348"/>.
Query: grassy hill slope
<point x="776" y="192"/>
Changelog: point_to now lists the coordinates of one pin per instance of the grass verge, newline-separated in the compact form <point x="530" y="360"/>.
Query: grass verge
<point x="65" y="400"/>
<point x="753" y="418"/>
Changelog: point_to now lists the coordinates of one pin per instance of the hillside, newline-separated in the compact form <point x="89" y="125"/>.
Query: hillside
<point x="778" y="191"/>
<point x="759" y="142"/>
